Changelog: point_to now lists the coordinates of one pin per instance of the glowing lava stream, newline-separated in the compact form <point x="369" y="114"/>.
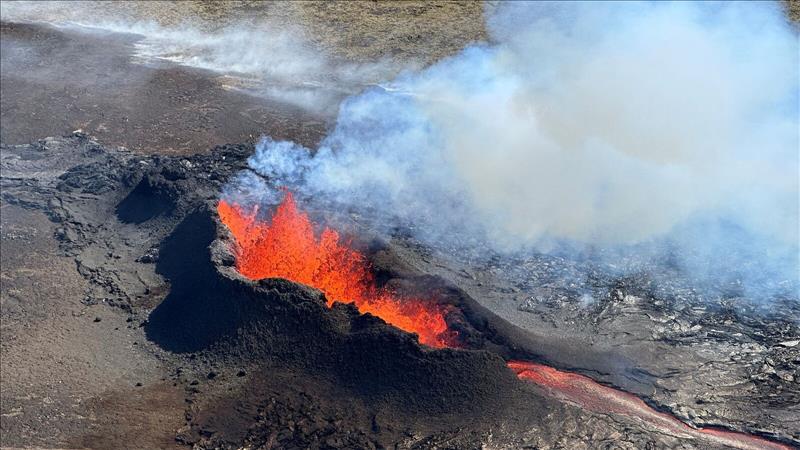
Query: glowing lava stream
<point x="288" y="248"/>
<point x="593" y="396"/>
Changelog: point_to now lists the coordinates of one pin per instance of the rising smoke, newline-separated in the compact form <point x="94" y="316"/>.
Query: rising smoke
<point x="264" y="55"/>
<point x="671" y="127"/>
<point x="646" y="129"/>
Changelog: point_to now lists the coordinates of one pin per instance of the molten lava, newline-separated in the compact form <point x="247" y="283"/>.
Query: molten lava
<point x="593" y="396"/>
<point x="288" y="248"/>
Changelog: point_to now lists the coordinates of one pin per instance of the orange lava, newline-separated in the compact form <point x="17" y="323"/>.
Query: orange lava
<point x="593" y="396"/>
<point x="288" y="248"/>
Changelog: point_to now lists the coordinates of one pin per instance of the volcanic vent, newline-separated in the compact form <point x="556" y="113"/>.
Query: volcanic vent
<point x="274" y="363"/>
<point x="330" y="351"/>
<point x="287" y="248"/>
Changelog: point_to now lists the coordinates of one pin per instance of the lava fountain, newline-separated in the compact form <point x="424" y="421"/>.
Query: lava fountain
<point x="287" y="247"/>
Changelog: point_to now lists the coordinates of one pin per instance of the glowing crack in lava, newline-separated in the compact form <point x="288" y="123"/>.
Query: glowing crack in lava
<point x="590" y="395"/>
<point x="288" y="248"/>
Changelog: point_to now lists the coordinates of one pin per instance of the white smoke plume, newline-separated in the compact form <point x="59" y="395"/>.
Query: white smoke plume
<point x="589" y="125"/>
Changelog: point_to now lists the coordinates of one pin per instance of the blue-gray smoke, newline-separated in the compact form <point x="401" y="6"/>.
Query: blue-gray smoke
<point x="669" y="129"/>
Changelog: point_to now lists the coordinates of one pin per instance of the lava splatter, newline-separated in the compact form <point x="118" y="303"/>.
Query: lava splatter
<point x="287" y="247"/>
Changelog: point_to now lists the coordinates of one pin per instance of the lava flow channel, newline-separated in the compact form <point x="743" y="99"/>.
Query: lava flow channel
<point x="288" y="248"/>
<point x="593" y="396"/>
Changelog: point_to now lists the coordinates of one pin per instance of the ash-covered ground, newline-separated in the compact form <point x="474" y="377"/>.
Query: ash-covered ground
<point x="166" y="345"/>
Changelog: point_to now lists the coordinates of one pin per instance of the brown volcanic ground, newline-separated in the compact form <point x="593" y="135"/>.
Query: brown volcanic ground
<point x="56" y="81"/>
<point x="157" y="342"/>
<point x="93" y="315"/>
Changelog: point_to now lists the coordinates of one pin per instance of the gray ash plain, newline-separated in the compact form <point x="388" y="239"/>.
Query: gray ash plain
<point x="159" y="343"/>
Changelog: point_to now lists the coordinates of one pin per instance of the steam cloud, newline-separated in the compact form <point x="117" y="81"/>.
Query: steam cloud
<point x="669" y="127"/>
<point x="270" y="59"/>
<point x="663" y="130"/>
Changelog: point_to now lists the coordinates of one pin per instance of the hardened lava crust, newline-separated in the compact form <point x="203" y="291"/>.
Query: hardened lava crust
<point x="126" y="252"/>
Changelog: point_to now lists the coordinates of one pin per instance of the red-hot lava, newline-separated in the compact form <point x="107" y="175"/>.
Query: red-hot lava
<point x="590" y="395"/>
<point x="288" y="248"/>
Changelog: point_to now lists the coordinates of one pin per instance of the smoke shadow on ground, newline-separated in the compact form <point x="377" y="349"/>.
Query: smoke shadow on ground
<point x="193" y="315"/>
